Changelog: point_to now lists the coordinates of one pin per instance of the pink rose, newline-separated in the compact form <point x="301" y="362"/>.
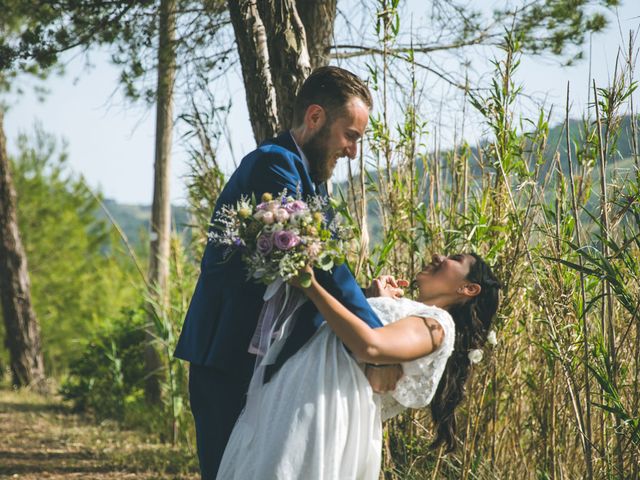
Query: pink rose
<point x="285" y="240"/>
<point x="268" y="206"/>
<point x="281" y="215"/>
<point x="268" y="218"/>
<point x="295" y="206"/>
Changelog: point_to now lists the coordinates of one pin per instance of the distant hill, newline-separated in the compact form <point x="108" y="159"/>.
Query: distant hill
<point x="620" y="163"/>
<point x="134" y="220"/>
<point x="557" y="140"/>
<point x="623" y="146"/>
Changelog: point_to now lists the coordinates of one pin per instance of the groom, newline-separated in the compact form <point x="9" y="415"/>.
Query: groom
<point x="331" y="113"/>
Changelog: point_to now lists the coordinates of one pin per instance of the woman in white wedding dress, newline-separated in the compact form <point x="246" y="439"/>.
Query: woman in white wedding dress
<point x="318" y="418"/>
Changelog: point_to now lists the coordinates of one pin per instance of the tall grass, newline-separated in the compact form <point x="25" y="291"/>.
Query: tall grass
<point x="558" y="396"/>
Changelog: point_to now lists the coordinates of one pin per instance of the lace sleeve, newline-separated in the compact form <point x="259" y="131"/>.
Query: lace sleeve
<point x="421" y="376"/>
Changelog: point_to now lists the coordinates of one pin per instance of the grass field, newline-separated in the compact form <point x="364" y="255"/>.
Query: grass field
<point x="40" y="438"/>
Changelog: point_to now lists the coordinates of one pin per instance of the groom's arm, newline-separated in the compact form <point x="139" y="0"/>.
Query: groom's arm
<point x="341" y="284"/>
<point x="383" y="378"/>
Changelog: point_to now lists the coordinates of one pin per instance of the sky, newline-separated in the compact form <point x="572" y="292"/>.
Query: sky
<point x="111" y="142"/>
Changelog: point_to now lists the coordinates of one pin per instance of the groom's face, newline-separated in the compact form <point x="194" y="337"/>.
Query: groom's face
<point x="335" y="138"/>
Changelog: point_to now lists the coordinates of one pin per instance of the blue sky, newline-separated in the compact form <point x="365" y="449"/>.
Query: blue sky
<point x="111" y="142"/>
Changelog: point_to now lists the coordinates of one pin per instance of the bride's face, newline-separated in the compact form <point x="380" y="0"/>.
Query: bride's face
<point x="444" y="275"/>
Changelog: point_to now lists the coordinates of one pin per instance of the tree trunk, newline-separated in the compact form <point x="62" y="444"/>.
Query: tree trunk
<point x="251" y="38"/>
<point x="318" y="19"/>
<point x="288" y="55"/>
<point x="274" y="40"/>
<point x="161" y="209"/>
<point x="22" y="329"/>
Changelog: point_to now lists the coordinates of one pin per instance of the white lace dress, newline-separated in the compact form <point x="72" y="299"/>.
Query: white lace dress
<point x="318" y="419"/>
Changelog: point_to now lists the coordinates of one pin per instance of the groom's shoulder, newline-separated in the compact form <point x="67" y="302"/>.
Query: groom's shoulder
<point x="283" y="145"/>
<point x="271" y="149"/>
<point x="269" y="152"/>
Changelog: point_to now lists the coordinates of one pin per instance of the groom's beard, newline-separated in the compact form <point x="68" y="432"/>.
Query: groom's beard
<point x="317" y="153"/>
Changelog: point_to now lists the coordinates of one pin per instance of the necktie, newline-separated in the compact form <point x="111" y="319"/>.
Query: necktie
<point x="321" y="189"/>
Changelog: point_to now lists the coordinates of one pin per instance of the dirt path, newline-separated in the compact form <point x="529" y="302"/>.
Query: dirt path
<point x="41" y="439"/>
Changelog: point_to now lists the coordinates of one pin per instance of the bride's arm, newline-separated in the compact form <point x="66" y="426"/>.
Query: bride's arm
<point x="404" y="340"/>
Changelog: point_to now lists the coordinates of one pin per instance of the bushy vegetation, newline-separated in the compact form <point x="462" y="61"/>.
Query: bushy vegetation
<point x="107" y="378"/>
<point x="78" y="272"/>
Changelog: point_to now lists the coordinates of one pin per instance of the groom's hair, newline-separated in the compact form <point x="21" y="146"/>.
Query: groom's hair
<point x="331" y="88"/>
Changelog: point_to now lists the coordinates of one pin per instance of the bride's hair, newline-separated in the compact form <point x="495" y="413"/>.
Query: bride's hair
<point x="472" y="320"/>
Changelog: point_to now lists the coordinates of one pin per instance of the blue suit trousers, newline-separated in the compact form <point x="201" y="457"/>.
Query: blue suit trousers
<point x="216" y="402"/>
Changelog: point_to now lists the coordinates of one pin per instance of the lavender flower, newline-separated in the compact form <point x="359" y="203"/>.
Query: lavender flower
<point x="264" y="244"/>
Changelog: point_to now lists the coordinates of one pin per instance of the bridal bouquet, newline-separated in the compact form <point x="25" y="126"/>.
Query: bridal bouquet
<point x="282" y="234"/>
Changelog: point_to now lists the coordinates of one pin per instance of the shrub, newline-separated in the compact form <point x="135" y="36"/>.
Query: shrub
<point x="108" y="377"/>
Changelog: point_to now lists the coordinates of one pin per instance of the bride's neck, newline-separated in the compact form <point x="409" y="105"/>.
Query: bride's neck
<point x="441" y="301"/>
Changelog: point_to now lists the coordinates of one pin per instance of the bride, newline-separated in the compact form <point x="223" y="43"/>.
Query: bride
<point x="318" y="418"/>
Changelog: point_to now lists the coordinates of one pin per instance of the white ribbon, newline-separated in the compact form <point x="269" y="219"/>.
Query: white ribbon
<point x="275" y="323"/>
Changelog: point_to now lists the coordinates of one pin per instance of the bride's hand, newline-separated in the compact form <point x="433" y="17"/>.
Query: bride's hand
<point x="304" y="279"/>
<point x="386" y="286"/>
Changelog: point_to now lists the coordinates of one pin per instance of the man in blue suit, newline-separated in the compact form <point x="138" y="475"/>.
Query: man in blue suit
<point x="330" y="116"/>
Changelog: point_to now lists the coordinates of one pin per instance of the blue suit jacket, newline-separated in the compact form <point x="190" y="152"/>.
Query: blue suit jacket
<point x="225" y="306"/>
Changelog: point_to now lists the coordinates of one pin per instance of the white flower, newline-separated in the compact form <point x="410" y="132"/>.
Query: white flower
<point x="243" y="204"/>
<point x="491" y="338"/>
<point x="301" y="217"/>
<point x="475" y="356"/>
<point x="272" y="228"/>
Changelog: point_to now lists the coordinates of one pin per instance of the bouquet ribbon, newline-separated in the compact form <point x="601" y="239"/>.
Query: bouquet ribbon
<point x="275" y="321"/>
<point x="274" y="325"/>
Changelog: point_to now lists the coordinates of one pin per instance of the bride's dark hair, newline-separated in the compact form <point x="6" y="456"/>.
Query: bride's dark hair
<point x="472" y="320"/>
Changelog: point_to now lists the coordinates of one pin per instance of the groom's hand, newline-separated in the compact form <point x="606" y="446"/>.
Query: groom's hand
<point x="383" y="378"/>
<point x="386" y="286"/>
